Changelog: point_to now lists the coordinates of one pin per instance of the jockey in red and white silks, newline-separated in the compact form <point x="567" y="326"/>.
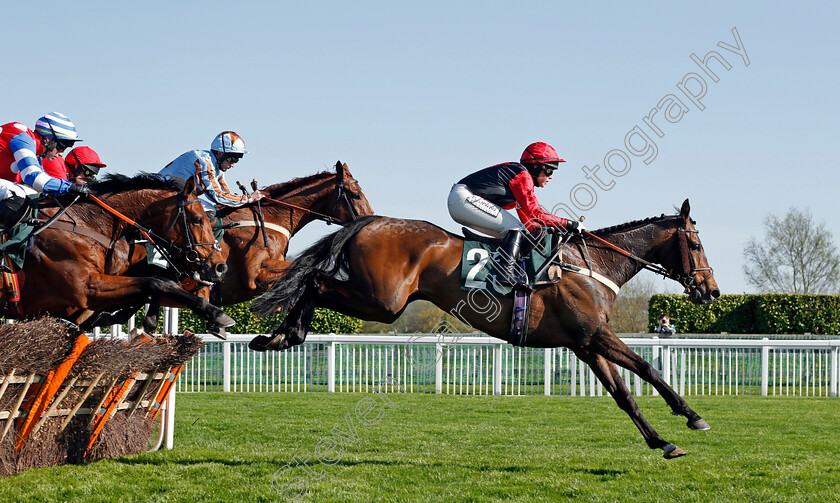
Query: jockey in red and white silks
<point x="478" y="201"/>
<point x="21" y="151"/>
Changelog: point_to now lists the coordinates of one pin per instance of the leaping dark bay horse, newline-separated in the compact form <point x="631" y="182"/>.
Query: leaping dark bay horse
<point x="69" y="271"/>
<point x="375" y="266"/>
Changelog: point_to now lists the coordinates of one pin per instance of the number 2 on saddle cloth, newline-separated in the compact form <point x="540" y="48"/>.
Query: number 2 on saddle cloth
<point x="478" y="269"/>
<point x="15" y="240"/>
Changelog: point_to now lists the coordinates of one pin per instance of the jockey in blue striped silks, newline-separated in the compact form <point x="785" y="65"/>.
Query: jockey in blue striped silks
<point x="21" y="151"/>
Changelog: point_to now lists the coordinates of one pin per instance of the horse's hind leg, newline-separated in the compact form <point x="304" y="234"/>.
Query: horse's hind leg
<point x="610" y="378"/>
<point x="609" y="345"/>
<point x="292" y="331"/>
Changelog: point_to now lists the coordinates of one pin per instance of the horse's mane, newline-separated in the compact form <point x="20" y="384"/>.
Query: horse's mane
<point x="630" y="225"/>
<point x="115" y="182"/>
<point x="281" y="189"/>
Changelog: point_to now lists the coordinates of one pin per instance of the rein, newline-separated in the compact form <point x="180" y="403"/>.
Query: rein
<point x="686" y="279"/>
<point x="163" y="245"/>
<point x="320" y="216"/>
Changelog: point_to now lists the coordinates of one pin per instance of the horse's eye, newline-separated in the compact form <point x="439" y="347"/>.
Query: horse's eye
<point x="196" y="220"/>
<point x="355" y="196"/>
<point x="695" y="246"/>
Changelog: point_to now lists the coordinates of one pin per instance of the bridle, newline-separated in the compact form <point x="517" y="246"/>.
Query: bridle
<point x="690" y="270"/>
<point x="686" y="277"/>
<point x="342" y="194"/>
<point x="162" y="244"/>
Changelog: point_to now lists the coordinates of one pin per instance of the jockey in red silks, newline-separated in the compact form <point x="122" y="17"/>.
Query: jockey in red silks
<point x="21" y="151"/>
<point x="83" y="164"/>
<point x="477" y="201"/>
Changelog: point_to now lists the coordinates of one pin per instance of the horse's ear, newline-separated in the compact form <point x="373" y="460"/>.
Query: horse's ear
<point x="686" y="208"/>
<point x="189" y="187"/>
<point x="339" y="168"/>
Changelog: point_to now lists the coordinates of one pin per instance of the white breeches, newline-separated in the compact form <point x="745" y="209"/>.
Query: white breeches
<point x="480" y="214"/>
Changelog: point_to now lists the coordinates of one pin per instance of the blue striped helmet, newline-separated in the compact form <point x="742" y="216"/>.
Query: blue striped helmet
<point x="228" y="142"/>
<point x="58" y="126"/>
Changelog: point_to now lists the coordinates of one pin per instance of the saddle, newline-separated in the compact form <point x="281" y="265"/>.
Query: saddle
<point x="538" y="251"/>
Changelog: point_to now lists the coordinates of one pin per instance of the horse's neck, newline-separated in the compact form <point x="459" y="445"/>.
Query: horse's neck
<point x="105" y="222"/>
<point x="640" y="241"/>
<point x="315" y="197"/>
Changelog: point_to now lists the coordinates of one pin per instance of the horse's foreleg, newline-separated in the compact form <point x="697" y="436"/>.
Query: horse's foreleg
<point x="610" y="378"/>
<point x="609" y="345"/>
<point x="150" y="321"/>
<point x="107" y="291"/>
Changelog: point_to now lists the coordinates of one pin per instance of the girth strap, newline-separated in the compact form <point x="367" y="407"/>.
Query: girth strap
<point x="592" y="274"/>
<point x="99" y="238"/>
<point x="250" y="223"/>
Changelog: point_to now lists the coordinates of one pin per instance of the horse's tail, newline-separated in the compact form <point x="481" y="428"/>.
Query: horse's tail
<point x="325" y="256"/>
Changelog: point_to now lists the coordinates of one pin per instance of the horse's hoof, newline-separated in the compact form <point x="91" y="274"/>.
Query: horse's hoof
<point x="259" y="343"/>
<point x="671" y="451"/>
<point x="223" y="320"/>
<point x="219" y="332"/>
<point x="699" y="424"/>
<point x="277" y="343"/>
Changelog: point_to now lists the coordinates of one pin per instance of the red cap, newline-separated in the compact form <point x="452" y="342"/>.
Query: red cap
<point x="538" y="153"/>
<point x="83" y="155"/>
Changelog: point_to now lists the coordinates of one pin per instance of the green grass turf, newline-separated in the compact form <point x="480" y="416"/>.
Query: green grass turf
<point x="448" y="448"/>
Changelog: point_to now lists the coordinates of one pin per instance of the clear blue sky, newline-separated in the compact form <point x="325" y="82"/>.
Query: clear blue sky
<point x="414" y="96"/>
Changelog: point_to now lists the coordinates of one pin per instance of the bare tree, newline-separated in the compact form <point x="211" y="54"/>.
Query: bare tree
<point x="630" y="311"/>
<point x="795" y="256"/>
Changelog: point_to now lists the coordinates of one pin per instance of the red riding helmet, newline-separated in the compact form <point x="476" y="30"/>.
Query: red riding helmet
<point x="538" y="153"/>
<point x="85" y="157"/>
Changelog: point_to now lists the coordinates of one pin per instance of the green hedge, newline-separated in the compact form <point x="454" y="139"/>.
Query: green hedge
<point x="323" y="322"/>
<point x="750" y="314"/>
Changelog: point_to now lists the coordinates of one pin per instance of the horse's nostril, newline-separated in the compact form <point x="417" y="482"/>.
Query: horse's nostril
<point x="221" y="268"/>
<point x="715" y="293"/>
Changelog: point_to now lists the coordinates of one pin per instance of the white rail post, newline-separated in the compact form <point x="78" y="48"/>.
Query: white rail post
<point x="226" y="367"/>
<point x="765" y="367"/>
<point x="497" y="369"/>
<point x="833" y="372"/>
<point x="169" y="420"/>
<point x="331" y="366"/>
<point x="438" y="367"/>
<point x="666" y="364"/>
<point x="548" y="373"/>
<point x="657" y="359"/>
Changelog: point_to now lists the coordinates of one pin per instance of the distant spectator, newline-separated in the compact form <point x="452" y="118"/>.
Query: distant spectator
<point x="665" y="326"/>
<point x="83" y="164"/>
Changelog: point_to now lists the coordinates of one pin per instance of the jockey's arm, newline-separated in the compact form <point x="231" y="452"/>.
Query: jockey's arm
<point x="529" y="209"/>
<point x="217" y="189"/>
<point x="27" y="164"/>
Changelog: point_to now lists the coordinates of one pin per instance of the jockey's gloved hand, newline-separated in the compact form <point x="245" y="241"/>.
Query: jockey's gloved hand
<point x="79" y="188"/>
<point x="575" y="227"/>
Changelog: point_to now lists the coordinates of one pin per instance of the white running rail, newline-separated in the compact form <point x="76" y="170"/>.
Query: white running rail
<point x="488" y="366"/>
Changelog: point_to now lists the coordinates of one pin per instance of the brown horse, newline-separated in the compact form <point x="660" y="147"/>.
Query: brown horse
<point x="375" y="266"/>
<point x="253" y="266"/>
<point x="69" y="271"/>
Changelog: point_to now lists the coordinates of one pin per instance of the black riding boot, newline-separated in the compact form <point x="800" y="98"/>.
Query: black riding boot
<point x="510" y="273"/>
